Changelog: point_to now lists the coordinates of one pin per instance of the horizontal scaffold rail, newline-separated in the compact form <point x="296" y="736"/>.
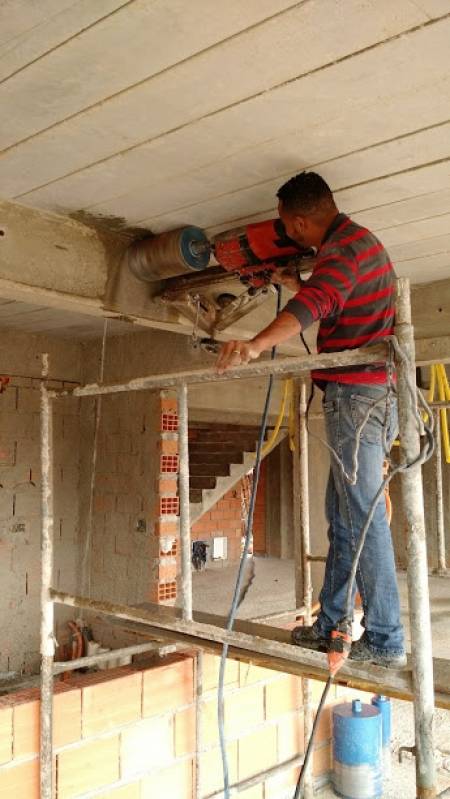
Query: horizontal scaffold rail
<point x="426" y="353"/>
<point x="261" y="645"/>
<point x="282" y="367"/>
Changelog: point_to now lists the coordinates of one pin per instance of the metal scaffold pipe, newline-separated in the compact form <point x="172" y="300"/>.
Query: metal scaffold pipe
<point x="185" y="522"/>
<point x="440" y="518"/>
<point x="418" y="591"/>
<point x="308" y="710"/>
<point x="47" y="646"/>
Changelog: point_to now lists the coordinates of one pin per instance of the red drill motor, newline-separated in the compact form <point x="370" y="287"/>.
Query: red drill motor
<point x="254" y="252"/>
<point x="258" y="250"/>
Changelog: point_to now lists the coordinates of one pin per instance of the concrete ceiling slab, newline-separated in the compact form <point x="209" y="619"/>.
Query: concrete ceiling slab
<point x="156" y="113"/>
<point x="29" y="318"/>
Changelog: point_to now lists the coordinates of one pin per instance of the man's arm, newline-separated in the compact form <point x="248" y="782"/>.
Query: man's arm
<point x="324" y="294"/>
<point x="233" y="353"/>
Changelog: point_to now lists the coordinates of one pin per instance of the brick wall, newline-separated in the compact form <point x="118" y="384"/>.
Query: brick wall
<point x="144" y="745"/>
<point x="20" y="509"/>
<point x="225" y="519"/>
<point x="123" y="545"/>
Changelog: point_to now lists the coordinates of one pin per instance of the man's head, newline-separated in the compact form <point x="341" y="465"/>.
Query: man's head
<point x="306" y="208"/>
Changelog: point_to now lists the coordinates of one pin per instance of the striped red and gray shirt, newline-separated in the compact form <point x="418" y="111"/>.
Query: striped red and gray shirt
<point x="351" y="290"/>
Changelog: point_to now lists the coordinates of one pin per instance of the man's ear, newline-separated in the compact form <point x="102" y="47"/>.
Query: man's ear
<point x="299" y="223"/>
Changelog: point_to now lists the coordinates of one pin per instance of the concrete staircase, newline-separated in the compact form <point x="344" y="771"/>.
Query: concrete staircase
<point x="219" y="455"/>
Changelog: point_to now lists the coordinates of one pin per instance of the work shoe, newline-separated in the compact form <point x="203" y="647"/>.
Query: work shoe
<point x="362" y="652"/>
<point x="309" y="638"/>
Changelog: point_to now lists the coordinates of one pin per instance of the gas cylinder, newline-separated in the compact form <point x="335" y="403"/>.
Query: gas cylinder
<point x="357" y="772"/>
<point x="384" y="706"/>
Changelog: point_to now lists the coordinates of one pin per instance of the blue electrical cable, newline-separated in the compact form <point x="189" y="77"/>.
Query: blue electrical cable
<point x="238" y="586"/>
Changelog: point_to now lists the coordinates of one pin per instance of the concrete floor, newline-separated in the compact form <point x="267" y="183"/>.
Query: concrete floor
<point x="273" y="591"/>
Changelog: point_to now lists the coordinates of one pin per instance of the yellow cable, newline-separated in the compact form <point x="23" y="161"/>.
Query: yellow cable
<point x="270" y="442"/>
<point x="444" y="394"/>
<point x="432" y="388"/>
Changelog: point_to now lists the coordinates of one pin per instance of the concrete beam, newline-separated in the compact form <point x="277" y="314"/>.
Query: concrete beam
<point x="59" y="262"/>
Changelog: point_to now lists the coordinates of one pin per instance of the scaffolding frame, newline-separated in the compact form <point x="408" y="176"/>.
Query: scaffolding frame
<point x="418" y="590"/>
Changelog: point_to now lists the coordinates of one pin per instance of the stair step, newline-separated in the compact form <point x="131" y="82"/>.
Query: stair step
<point x="216" y="457"/>
<point x="195" y="495"/>
<point x="206" y="427"/>
<point x="202" y="481"/>
<point x="211" y="469"/>
<point x="233" y="436"/>
<point x="222" y="447"/>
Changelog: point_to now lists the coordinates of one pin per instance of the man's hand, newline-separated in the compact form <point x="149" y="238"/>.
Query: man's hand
<point x="235" y="353"/>
<point x="287" y="277"/>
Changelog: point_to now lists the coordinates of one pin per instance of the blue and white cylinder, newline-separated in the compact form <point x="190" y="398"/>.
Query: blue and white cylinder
<point x="384" y="706"/>
<point x="357" y="736"/>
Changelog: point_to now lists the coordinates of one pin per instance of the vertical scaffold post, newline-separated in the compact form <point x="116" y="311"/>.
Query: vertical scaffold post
<point x="185" y="521"/>
<point x="308" y="711"/>
<point x="198" y="722"/>
<point x="296" y="501"/>
<point x="418" y="591"/>
<point x="47" y="634"/>
<point x="440" y="522"/>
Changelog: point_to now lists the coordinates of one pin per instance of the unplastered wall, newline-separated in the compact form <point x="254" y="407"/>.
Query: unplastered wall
<point x="157" y="352"/>
<point x="117" y="542"/>
<point x="131" y="733"/>
<point x="20" y="484"/>
<point x="118" y="548"/>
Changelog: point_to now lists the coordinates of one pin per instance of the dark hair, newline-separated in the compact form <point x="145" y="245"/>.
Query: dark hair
<point x="306" y="193"/>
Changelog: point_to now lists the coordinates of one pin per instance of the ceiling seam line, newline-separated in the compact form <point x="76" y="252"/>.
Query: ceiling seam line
<point x="148" y="78"/>
<point x="66" y="41"/>
<point x="210" y="114"/>
<point x="283" y="175"/>
<point x="265" y="142"/>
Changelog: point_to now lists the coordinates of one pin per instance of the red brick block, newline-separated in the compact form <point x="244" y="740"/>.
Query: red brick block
<point x="93" y="765"/>
<point x="21" y="781"/>
<point x="282" y="785"/>
<point x="211" y="665"/>
<point x="26" y="729"/>
<point x="147" y="745"/>
<point x="166" y="572"/>
<point x="258" y="751"/>
<point x="66" y="717"/>
<point x="169" y="464"/>
<point x="211" y="768"/>
<point x="169" y="506"/>
<point x="111" y="704"/>
<point x="131" y="791"/>
<point x="6" y="734"/>
<point x="163" y="593"/>
<point x="322" y="762"/>
<point x="324" y="728"/>
<point x="257" y="792"/>
<point x="248" y="674"/>
<point x="167" y="486"/>
<point x="185" y="740"/>
<point x="290" y="735"/>
<point x="244" y="710"/>
<point x="169" y="422"/>
<point x="168" y="687"/>
<point x="166" y="528"/>
<point x="175" y="782"/>
<point x="169" y="404"/>
<point x="210" y="730"/>
<point x="168" y="447"/>
<point x="283" y="695"/>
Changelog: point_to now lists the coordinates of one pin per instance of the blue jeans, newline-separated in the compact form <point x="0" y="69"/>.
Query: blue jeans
<point x="347" y="507"/>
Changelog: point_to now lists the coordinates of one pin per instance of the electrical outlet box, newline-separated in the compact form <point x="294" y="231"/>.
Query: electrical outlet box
<point x="219" y="548"/>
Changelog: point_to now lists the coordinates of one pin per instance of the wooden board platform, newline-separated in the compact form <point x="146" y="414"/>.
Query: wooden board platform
<point x="259" y="644"/>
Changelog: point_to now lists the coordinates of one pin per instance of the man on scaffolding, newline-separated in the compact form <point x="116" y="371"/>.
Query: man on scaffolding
<point x="351" y="292"/>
